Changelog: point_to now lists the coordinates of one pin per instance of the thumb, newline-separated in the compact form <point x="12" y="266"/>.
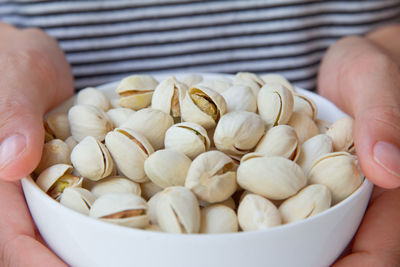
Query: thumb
<point x="32" y="81"/>
<point x="367" y="86"/>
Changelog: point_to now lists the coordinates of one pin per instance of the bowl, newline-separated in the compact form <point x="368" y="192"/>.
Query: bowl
<point x="82" y="241"/>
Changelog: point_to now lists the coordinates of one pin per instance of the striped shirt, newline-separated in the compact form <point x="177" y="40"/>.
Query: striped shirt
<point x="107" y="40"/>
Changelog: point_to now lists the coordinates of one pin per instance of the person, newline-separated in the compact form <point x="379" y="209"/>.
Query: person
<point x="360" y="73"/>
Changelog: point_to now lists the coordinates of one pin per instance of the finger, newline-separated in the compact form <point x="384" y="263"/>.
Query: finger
<point x="365" y="83"/>
<point x="18" y="246"/>
<point x="378" y="238"/>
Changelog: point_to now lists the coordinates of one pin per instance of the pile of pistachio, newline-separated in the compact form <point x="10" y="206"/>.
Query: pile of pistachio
<point x="197" y="155"/>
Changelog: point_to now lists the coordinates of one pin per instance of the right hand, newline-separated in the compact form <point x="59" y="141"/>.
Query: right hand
<point x="35" y="76"/>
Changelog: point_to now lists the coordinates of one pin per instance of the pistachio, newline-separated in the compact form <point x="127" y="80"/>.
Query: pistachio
<point x="256" y="212"/>
<point x="240" y="97"/>
<point x="304" y="126"/>
<point x="178" y="210"/>
<point x="192" y="79"/>
<point x="341" y="132"/>
<point x="119" y="115"/>
<point x="277" y="78"/>
<point x="115" y="184"/>
<point x="93" y="97"/>
<point x="54" y="151"/>
<point x="322" y="125"/>
<point x="211" y="178"/>
<point x="78" y="199"/>
<point x="136" y="91"/>
<point x="149" y="189"/>
<point x="219" y="85"/>
<point x="56" y="126"/>
<point x="238" y="132"/>
<point x="305" y="105"/>
<point x="218" y="218"/>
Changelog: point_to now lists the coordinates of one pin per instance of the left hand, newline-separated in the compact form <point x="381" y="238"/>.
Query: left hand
<point x="361" y="75"/>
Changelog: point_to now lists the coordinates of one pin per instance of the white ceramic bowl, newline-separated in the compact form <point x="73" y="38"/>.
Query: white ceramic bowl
<point x="85" y="242"/>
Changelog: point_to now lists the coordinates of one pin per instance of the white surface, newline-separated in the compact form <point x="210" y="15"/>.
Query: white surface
<point x="85" y="242"/>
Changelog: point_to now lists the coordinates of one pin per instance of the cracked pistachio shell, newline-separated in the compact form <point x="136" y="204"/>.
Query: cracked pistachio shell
<point x="254" y="86"/>
<point x="256" y="212"/>
<point x="119" y="115"/>
<point x="115" y="184"/>
<point x="149" y="189"/>
<point x="93" y="97"/>
<point x="339" y="171"/>
<point x="305" y="105"/>
<point x="238" y="132"/>
<point x="218" y="218"/>
<point x="167" y="167"/>
<point x="86" y="120"/>
<point x="240" y="97"/>
<point x="152" y="124"/>
<point x="78" y="199"/>
<point x="280" y="140"/>
<point x="272" y="177"/>
<point x="218" y="85"/>
<point x="322" y="125"/>
<point x="71" y="142"/>
<point x="203" y="106"/>
<point x="178" y="210"/>
<point x="277" y="78"/>
<point x="168" y="97"/>
<point x="124" y="209"/>
<point x="188" y="138"/>
<point x="129" y="150"/>
<point x="275" y="104"/>
<point x="312" y="149"/>
<point x="250" y="76"/>
<point x="341" y="132"/>
<point x="55" y="151"/>
<point x="229" y="202"/>
<point x="211" y="178"/>
<point x="308" y="202"/>
<point x="136" y="91"/>
<point x="92" y="159"/>
<point x="56" y="178"/>
<point x="192" y="79"/>
<point x="304" y="126"/>
<point x="153" y="202"/>
<point x="56" y="126"/>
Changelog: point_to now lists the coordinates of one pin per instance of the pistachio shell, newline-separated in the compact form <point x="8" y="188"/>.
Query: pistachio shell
<point x="178" y="210"/>
<point x="136" y="91"/>
<point x="56" y="125"/>
<point x="86" y="120"/>
<point x="312" y="149"/>
<point x="123" y="208"/>
<point x="71" y="142"/>
<point x="54" y="152"/>
<point x="56" y="178"/>
<point x="92" y="159"/>
<point x="168" y="97"/>
<point x="281" y="141"/>
<point x="129" y="151"/>
<point x="149" y="189"/>
<point x="254" y="86"/>
<point x="256" y="212"/>
<point x="308" y="202"/>
<point x="152" y="124"/>
<point x="272" y="177"/>
<point x="341" y="132"/>
<point x="275" y="104"/>
<point x="218" y="85"/>
<point x="115" y="184"/>
<point x="188" y="138"/>
<point x="229" y="202"/>
<point x="238" y="132"/>
<point x="167" y="167"/>
<point x="305" y="105"/>
<point x="322" y="125"/>
<point x="240" y="97"/>
<point x="218" y="218"/>
<point x="78" y="199"/>
<point x="153" y="202"/>
<point x="211" y="178"/>
<point x="119" y="115"/>
<point x="250" y="76"/>
<point x="93" y="97"/>
<point x="304" y="126"/>
<point x="203" y="106"/>
<point x="339" y="171"/>
<point x="277" y="78"/>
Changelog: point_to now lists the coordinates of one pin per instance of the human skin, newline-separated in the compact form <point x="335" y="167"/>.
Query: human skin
<point x="35" y="76"/>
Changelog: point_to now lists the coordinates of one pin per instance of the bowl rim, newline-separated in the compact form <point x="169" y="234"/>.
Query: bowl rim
<point x="28" y="184"/>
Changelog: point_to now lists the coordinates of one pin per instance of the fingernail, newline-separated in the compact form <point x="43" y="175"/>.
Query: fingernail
<point x="10" y="148"/>
<point x="388" y="156"/>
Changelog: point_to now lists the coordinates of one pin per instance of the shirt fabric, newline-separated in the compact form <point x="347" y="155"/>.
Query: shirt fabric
<point x="107" y="40"/>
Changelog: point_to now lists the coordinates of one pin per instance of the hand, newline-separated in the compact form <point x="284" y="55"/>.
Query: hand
<point x="362" y="76"/>
<point x="34" y="77"/>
